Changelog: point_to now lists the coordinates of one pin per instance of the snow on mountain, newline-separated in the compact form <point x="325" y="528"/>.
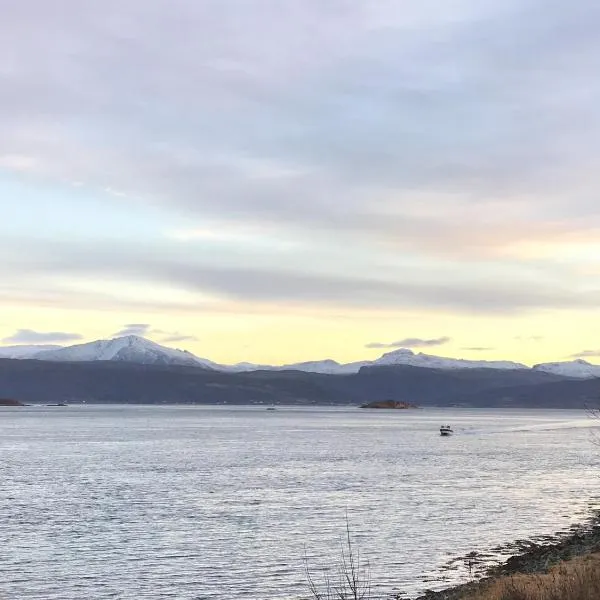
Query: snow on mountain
<point x="579" y="369"/>
<point x="136" y="349"/>
<point x="327" y="367"/>
<point x="25" y="351"/>
<point x="245" y="367"/>
<point x="130" y="348"/>
<point x="404" y="356"/>
<point x="311" y="366"/>
<point x="318" y="366"/>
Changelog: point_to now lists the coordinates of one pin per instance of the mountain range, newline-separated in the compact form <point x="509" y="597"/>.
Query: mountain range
<point x="136" y="349"/>
<point x="132" y="369"/>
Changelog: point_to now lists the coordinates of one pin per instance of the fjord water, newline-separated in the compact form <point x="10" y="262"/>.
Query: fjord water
<point x="214" y="502"/>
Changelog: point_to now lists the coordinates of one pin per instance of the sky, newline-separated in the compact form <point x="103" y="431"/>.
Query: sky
<point x="277" y="181"/>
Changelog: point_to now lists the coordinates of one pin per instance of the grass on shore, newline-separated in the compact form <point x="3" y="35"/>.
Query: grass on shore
<point x="576" y="579"/>
<point x="528" y="576"/>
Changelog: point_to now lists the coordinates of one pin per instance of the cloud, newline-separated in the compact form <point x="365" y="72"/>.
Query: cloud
<point x="478" y="348"/>
<point x="190" y="281"/>
<point x="410" y="132"/>
<point x="28" y="336"/>
<point x="146" y="329"/>
<point x="179" y="337"/>
<point x="133" y="329"/>
<point x="585" y="353"/>
<point x="411" y="343"/>
<point x="409" y="103"/>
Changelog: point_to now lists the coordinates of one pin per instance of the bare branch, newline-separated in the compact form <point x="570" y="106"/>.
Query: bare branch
<point x="353" y="577"/>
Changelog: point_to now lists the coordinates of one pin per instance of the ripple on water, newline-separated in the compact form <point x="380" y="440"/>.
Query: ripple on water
<point x="190" y="503"/>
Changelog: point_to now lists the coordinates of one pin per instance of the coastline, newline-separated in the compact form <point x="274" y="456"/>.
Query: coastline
<point x="533" y="558"/>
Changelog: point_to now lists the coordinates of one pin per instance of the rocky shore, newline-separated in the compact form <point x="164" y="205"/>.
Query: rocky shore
<point x="531" y="558"/>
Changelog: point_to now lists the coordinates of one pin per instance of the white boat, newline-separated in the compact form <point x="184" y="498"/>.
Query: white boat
<point x="446" y="430"/>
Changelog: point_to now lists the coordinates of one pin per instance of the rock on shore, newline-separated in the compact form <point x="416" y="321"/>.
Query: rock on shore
<point x="9" y="402"/>
<point x="389" y="404"/>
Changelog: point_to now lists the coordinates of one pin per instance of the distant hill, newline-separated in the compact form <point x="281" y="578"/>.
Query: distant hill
<point x="36" y="381"/>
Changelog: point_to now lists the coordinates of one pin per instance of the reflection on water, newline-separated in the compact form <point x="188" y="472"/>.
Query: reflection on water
<point x="192" y="502"/>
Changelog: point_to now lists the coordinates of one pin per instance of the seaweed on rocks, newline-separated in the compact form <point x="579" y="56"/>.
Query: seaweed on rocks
<point x="531" y="556"/>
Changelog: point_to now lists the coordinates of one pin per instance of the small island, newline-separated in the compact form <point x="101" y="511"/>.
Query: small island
<point x="394" y="404"/>
<point x="9" y="402"/>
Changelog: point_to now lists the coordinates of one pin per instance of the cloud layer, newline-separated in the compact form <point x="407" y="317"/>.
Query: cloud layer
<point x="382" y="156"/>
<point x="140" y="329"/>
<point x="586" y="354"/>
<point x="411" y="343"/>
<point x="147" y="330"/>
<point x="28" y="336"/>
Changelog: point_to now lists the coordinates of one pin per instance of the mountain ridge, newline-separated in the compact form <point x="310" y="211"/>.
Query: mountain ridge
<point x="136" y="349"/>
<point x="25" y="350"/>
<point x="578" y="368"/>
<point x="121" y="382"/>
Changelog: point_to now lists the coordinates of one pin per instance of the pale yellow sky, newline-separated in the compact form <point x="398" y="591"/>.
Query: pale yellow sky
<point x="341" y="335"/>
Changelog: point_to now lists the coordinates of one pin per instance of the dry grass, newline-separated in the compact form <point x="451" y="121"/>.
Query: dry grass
<point x="577" y="579"/>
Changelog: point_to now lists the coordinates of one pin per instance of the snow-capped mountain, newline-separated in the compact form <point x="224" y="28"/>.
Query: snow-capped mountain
<point x="578" y="369"/>
<point x="130" y="348"/>
<point x="327" y="366"/>
<point x="404" y="356"/>
<point x="25" y="351"/>
<point x="136" y="349"/>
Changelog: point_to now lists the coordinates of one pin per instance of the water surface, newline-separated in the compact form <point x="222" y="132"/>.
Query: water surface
<point x="196" y="502"/>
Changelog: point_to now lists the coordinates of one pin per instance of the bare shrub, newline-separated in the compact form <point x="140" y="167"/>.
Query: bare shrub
<point x="350" y="579"/>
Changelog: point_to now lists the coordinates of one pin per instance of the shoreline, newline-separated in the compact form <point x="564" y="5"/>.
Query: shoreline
<point x="533" y="558"/>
